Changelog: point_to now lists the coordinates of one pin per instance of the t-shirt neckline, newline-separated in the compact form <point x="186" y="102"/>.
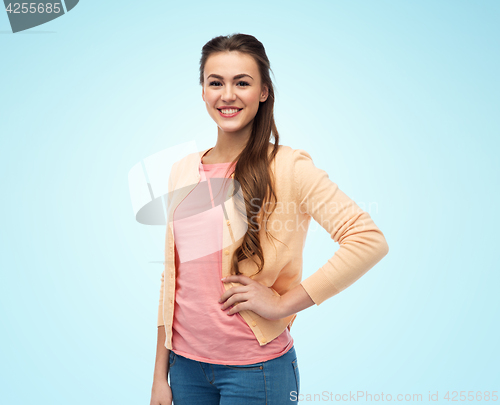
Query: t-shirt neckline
<point x="217" y="164"/>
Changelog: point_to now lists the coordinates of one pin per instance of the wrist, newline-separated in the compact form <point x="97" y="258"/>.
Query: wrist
<point x="160" y="376"/>
<point x="294" y="301"/>
<point x="284" y="306"/>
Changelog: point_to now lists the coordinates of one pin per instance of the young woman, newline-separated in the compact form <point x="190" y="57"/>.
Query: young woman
<point x="232" y="284"/>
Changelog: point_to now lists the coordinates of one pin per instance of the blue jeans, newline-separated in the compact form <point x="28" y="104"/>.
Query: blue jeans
<point x="272" y="382"/>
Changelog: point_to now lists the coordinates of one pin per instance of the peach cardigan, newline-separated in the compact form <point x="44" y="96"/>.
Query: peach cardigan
<point x="303" y="192"/>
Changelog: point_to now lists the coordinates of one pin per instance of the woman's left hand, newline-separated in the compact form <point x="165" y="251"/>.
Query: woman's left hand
<point x="252" y="296"/>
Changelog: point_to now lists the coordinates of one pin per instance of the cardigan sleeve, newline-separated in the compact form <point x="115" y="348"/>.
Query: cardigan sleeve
<point x="161" y="322"/>
<point x="361" y="242"/>
<point x="162" y="281"/>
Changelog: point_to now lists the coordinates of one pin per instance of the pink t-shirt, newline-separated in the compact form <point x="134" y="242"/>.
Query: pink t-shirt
<point x="201" y="330"/>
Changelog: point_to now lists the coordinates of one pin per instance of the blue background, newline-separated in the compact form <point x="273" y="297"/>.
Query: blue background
<point x="397" y="100"/>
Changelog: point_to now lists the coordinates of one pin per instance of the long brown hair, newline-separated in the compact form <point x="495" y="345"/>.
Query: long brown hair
<point x="252" y="170"/>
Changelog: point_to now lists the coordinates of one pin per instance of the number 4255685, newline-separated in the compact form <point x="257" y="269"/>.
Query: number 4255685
<point x="22" y="8"/>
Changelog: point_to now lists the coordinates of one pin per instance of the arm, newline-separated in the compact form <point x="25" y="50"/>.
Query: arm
<point x="160" y="321"/>
<point x="162" y="355"/>
<point x="161" y="393"/>
<point x="362" y="244"/>
<point x="295" y="300"/>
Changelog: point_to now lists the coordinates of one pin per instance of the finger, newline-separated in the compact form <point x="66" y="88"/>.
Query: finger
<point x="239" y="306"/>
<point x="242" y="279"/>
<point x="235" y="300"/>
<point x="233" y="290"/>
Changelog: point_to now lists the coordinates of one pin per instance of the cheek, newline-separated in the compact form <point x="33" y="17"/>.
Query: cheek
<point x="210" y="99"/>
<point x="254" y="99"/>
<point x="252" y="102"/>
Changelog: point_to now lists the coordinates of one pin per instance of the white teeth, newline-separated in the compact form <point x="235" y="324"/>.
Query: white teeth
<point x="229" y="111"/>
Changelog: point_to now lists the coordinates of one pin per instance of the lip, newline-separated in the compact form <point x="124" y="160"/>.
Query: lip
<point x="230" y="115"/>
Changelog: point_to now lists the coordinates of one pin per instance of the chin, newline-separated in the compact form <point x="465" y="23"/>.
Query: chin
<point x="229" y="130"/>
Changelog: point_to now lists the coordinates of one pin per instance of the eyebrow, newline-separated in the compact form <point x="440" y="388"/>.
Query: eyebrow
<point x="234" y="78"/>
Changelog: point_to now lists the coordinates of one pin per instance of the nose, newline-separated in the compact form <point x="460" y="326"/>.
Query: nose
<point x="228" y="94"/>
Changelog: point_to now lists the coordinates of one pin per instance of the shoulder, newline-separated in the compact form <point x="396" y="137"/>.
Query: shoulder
<point x="296" y="168"/>
<point x="287" y="157"/>
<point x="292" y="168"/>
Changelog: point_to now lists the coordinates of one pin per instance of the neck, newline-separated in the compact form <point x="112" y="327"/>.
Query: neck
<point x="230" y="144"/>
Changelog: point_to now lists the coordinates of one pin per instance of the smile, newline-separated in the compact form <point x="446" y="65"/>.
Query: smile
<point x="228" y="113"/>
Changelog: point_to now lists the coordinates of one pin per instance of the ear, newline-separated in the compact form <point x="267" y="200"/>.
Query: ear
<point x="203" y="93"/>
<point x="264" y="94"/>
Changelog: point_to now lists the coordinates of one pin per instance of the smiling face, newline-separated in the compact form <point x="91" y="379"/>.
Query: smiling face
<point x="232" y="91"/>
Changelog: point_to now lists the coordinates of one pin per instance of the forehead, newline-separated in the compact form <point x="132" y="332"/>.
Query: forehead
<point x="229" y="64"/>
